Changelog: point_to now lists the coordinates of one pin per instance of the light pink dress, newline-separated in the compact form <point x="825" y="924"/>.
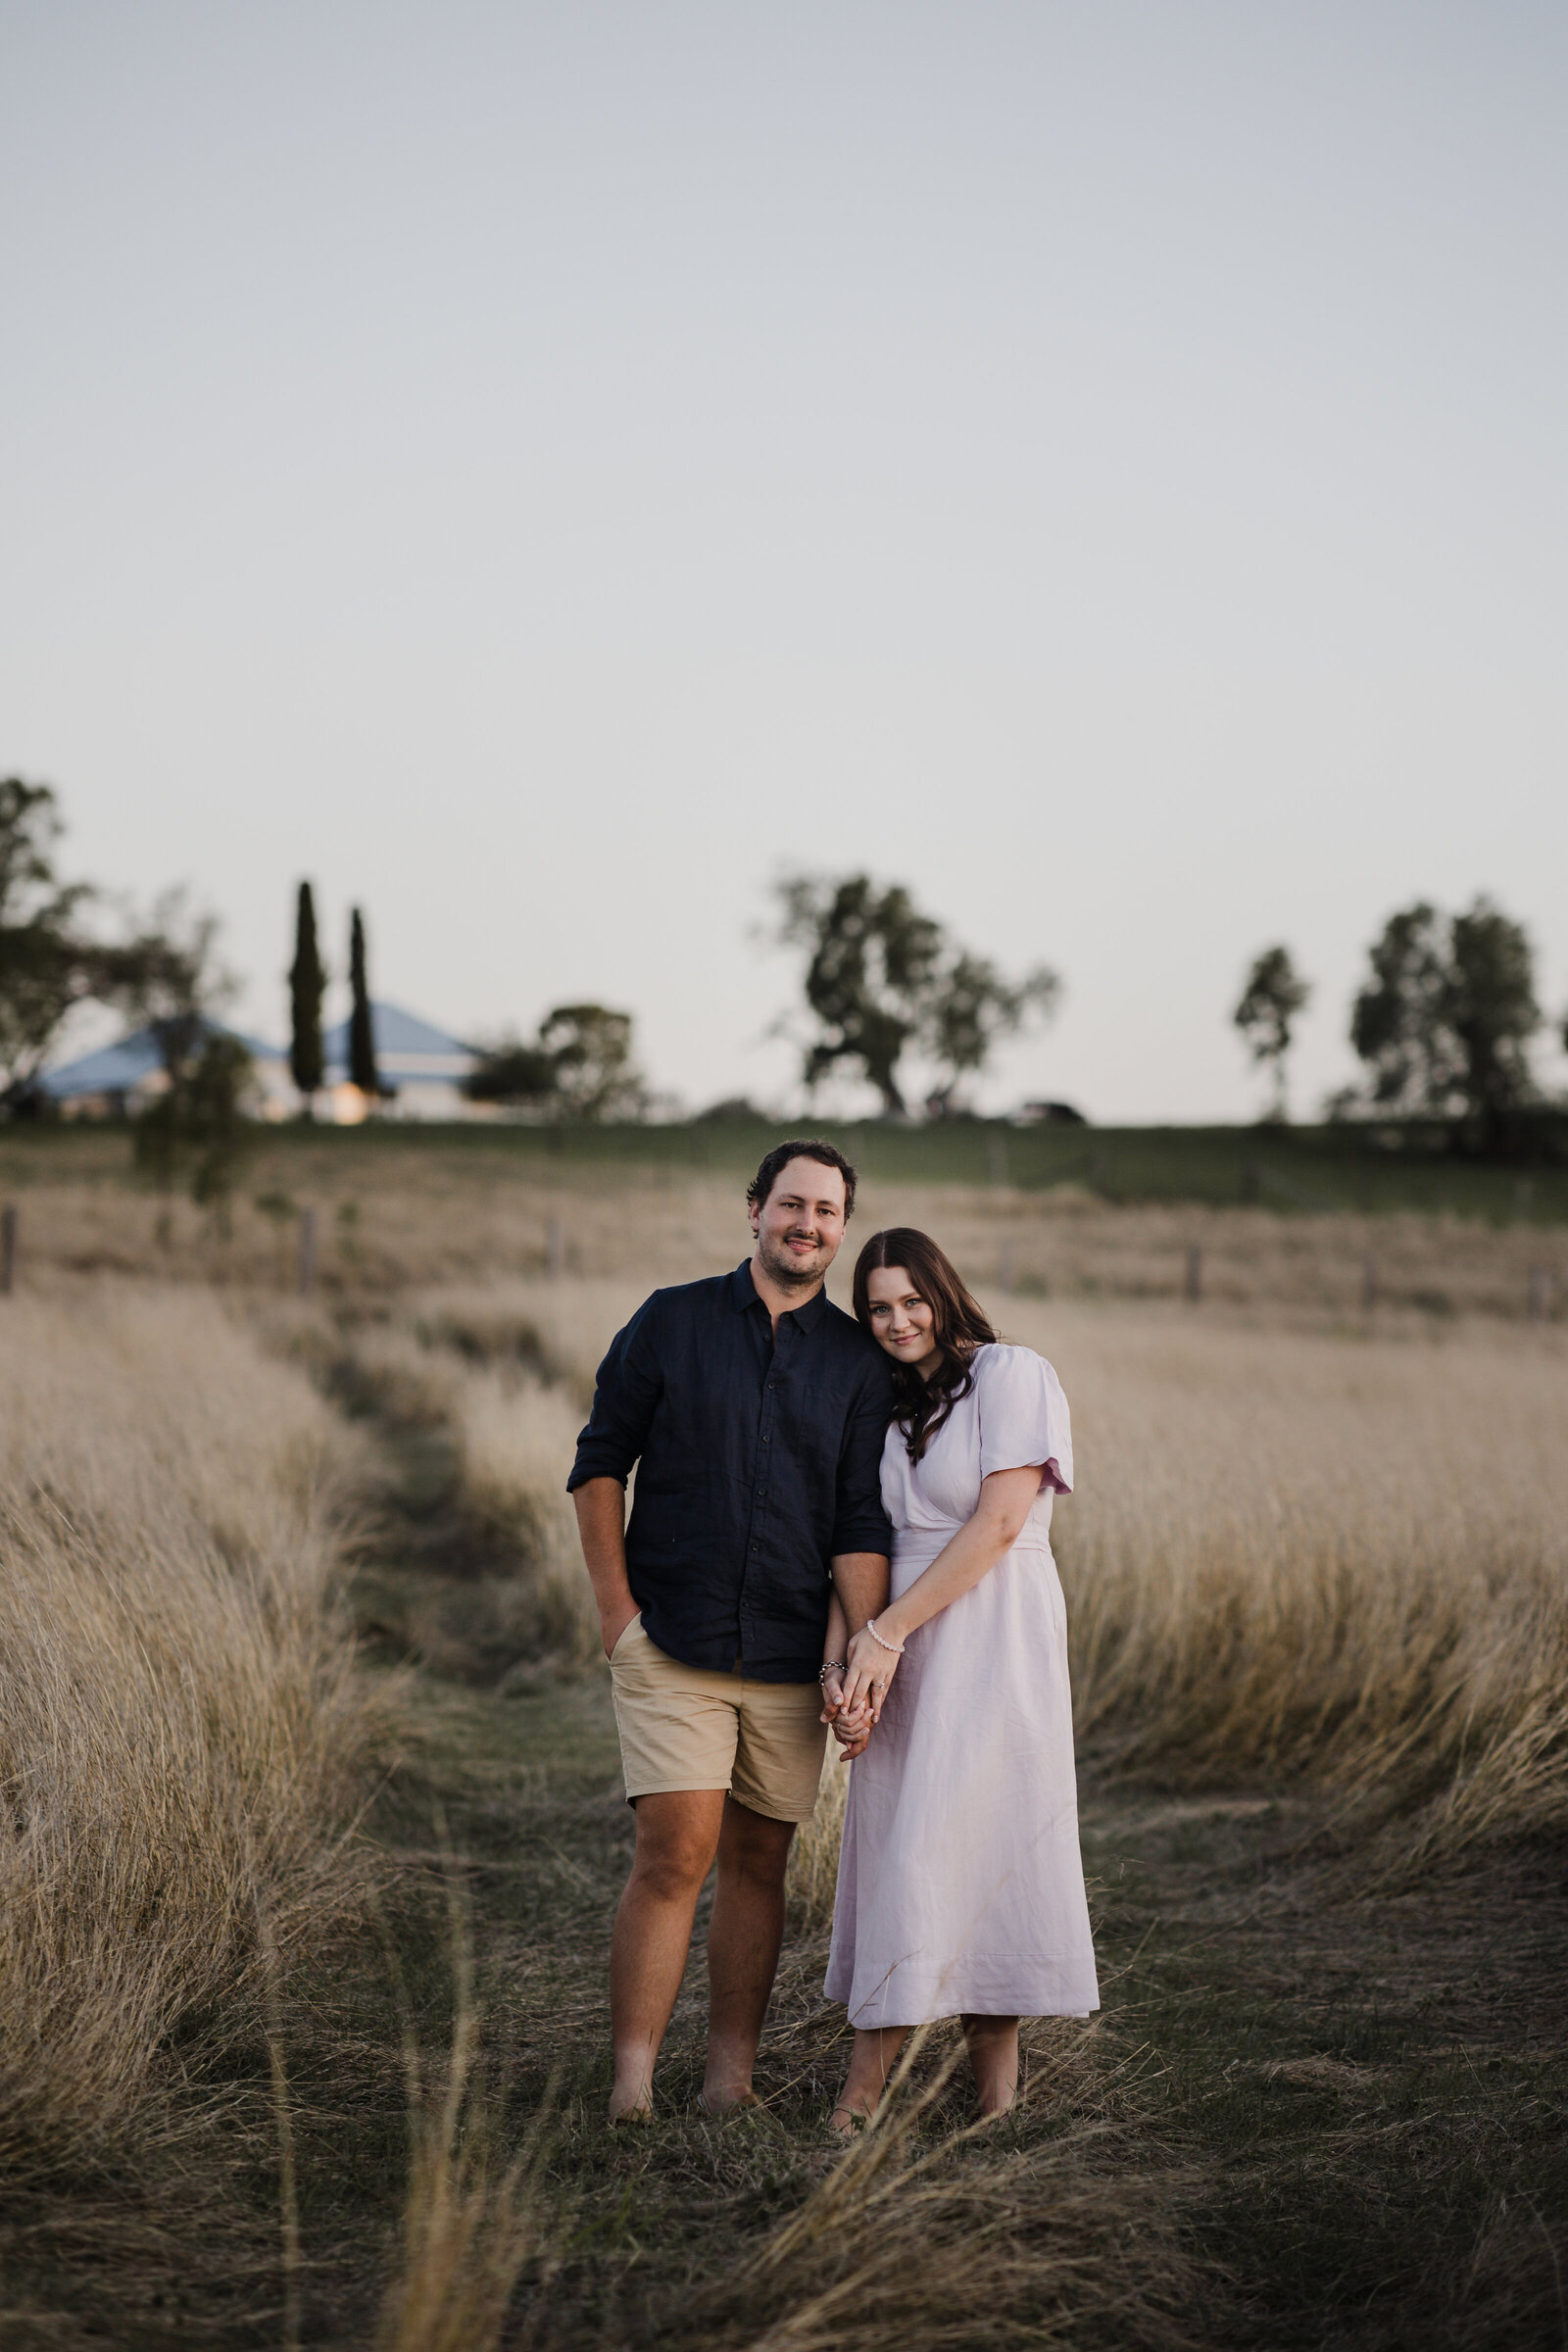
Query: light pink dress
<point x="961" y="1882"/>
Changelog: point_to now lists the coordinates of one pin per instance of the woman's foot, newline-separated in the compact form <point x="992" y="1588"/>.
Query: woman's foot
<point x="847" y="2121"/>
<point x="871" y="2063"/>
<point x="631" y="2103"/>
<point x="992" y="2044"/>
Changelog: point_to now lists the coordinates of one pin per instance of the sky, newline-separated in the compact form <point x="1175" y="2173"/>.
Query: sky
<point x="544" y="472"/>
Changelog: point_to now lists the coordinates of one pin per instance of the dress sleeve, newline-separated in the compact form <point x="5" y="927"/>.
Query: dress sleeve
<point x="1023" y="1416"/>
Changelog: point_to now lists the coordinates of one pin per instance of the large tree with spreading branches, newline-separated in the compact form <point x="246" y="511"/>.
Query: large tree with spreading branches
<point x="883" y="978"/>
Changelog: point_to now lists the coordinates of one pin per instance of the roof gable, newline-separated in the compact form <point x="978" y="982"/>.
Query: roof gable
<point x="119" y="1068"/>
<point x="395" y="1032"/>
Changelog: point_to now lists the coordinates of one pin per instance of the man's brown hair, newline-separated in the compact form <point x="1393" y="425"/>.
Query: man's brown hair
<point x="807" y="1147"/>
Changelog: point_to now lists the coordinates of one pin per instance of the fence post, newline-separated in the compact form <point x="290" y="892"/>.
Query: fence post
<point x="307" y="1250"/>
<point x="1537" y="1308"/>
<point x="1195" y="1273"/>
<point x="7" y="1249"/>
<point x="1369" y="1283"/>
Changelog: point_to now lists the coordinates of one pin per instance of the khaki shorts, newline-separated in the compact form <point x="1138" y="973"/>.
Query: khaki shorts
<point x="687" y="1727"/>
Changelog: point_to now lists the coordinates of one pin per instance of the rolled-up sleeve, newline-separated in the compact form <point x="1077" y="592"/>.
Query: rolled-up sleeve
<point x="859" y="1522"/>
<point x="626" y="1393"/>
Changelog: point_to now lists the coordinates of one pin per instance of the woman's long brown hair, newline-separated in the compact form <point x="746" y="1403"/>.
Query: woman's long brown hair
<point x="957" y="1325"/>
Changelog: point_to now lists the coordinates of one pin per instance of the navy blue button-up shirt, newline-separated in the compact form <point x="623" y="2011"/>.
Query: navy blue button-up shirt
<point x="757" y="1461"/>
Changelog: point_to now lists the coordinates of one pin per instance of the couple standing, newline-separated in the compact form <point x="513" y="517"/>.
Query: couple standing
<point x="786" y="1454"/>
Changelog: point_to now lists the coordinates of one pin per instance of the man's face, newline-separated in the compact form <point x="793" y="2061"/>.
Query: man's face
<point x="800" y="1225"/>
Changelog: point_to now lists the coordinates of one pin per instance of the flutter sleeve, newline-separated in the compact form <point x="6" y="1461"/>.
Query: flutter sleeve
<point x="1023" y="1416"/>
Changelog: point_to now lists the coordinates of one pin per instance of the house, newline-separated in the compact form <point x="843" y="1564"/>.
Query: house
<point x="119" y="1080"/>
<point x="421" y="1070"/>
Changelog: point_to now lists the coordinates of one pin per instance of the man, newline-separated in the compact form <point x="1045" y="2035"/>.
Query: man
<point x="754" y="1410"/>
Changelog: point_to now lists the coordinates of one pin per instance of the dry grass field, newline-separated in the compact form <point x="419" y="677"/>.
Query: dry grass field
<point x="431" y="1212"/>
<point x="312" y="1829"/>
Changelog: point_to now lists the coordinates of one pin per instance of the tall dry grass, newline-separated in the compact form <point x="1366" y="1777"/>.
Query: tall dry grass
<point x="473" y="2216"/>
<point x="181" y="1736"/>
<point x="1326" y="1552"/>
<point x="1343" y="1558"/>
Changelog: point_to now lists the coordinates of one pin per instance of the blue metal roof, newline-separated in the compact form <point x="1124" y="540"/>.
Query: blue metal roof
<point x="117" y="1069"/>
<point x="396" y="1032"/>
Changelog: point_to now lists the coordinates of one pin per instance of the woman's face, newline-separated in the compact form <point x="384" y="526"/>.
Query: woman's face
<point x="901" y="1320"/>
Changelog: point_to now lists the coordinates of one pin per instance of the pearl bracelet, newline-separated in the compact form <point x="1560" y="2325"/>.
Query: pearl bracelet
<point x="897" y="1648"/>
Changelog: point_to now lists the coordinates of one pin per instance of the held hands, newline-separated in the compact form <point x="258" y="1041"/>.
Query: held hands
<point x="852" y="1728"/>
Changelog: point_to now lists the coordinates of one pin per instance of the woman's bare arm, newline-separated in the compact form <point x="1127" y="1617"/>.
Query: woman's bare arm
<point x="1006" y="1498"/>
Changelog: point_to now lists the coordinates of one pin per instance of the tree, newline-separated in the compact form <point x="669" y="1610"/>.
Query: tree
<point x="872" y="962"/>
<point x="579" y="1066"/>
<point x="1492" y="1010"/>
<point x="199" y="1121"/>
<point x="172" y="984"/>
<point x="973" y="1008"/>
<point x="513" y="1074"/>
<point x="363" y="1072"/>
<point x="46" y="965"/>
<point x="590" y="1051"/>
<point x="1275" y="993"/>
<point x="169" y="978"/>
<point x="1445" y="1021"/>
<point x="881" y="976"/>
<point x="306" y="985"/>
<point x="162" y="975"/>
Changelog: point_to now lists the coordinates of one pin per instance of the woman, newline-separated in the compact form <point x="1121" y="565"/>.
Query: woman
<point x="960" y="1884"/>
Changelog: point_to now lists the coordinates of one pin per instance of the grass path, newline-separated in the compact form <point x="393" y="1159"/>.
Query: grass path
<point x="1309" y="2116"/>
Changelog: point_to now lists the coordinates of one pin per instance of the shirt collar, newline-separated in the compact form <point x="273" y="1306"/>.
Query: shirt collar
<point x="743" y="1293"/>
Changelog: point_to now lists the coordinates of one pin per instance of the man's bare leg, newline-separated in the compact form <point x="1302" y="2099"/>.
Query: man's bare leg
<point x="994" y="2058"/>
<point x="678" y="1837"/>
<point x="742" y="1945"/>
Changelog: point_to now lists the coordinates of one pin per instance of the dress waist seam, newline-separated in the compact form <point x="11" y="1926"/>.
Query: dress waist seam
<point x="936" y="1545"/>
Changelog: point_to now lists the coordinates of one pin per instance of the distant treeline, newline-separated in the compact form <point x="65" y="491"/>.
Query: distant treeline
<point x="1443" y="1024"/>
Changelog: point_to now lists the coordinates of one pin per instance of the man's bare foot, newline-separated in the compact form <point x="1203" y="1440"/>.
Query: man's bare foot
<point x="719" y="2100"/>
<point x="631" y="2103"/>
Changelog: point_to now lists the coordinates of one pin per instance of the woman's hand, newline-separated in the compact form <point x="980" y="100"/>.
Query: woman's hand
<point x="871" y="1669"/>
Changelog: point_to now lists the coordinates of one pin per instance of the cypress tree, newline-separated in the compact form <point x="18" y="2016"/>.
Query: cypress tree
<point x="307" y="985"/>
<point x="361" y="1033"/>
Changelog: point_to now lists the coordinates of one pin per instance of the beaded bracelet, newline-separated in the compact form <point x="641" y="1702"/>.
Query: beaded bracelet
<point x="833" y="1666"/>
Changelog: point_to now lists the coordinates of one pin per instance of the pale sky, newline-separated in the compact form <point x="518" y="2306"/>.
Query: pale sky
<point x="542" y="470"/>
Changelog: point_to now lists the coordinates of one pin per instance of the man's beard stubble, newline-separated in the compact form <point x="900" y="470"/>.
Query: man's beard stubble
<point x="787" y="1272"/>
